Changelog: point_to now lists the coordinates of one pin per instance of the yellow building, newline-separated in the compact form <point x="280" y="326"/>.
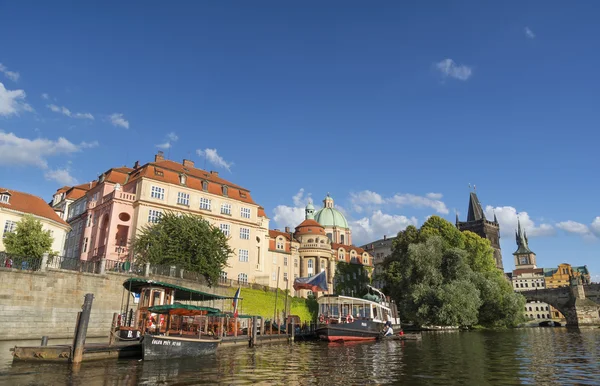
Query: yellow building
<point x="560" y="277"/>
<point x="15" y="205"/>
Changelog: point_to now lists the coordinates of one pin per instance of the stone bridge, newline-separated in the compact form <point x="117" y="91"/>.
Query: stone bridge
<point x="579" y="303"/>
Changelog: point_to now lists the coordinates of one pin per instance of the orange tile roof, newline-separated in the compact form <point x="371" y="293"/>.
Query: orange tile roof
<point x="310" y="226"/>
<point x="169" y="172"/>
<point x="117" y="175"/>
<point x="337" y="246"/>
<point x="30" y="204"/>
<point x="274" y="233"/>
<point x="261" y="212"/>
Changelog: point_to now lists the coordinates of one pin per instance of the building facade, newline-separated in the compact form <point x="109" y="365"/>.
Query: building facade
<point x="14" y="205"/>
<point x="477" y="223"/>
<point x="560" y="276"/>
<point x="380" y="250"/>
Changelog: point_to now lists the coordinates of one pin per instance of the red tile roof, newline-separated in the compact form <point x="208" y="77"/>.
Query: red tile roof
<point x="310" y="227"/>
<point x="169" y="172"/>
<point x="261" y="212"/>
<point x="30" y="204"/>
<point x="274" y="233"/>
<point x="337" y="246"/>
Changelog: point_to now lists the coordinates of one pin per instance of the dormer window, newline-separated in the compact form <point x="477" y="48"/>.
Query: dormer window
<point x="182" y="179"/>
<point x="224" y="191"/>
<point x="205" y="186"/>
<point x="5" y="198"/>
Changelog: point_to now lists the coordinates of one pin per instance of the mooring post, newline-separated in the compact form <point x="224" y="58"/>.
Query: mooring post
<point x="262" y="325"/>
<point x="82" y="325"/>
<point x="293" y="330"/>
<point x="253" y="337"/>
<point x="44" y="341"/>
<point x="111" y="334"/>
<point x="235" y="329"/>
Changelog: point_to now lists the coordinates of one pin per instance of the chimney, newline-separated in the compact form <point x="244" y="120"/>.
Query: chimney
<point x="384" y="237"/>
<point x="160" y="156"/>
<point x="188" y="163"/>
<point x="136" y="164"/>
<point x="287" y="230"/>
<point x="216" y="174"/>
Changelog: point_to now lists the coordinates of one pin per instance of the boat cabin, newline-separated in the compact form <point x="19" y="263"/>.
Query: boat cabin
<point x="345" y="309"/>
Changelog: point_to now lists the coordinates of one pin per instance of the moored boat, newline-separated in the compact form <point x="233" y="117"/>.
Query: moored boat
<point x="345" y="318"/>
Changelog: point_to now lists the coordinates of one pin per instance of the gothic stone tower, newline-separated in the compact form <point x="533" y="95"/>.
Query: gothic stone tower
<point x="477" y="223"/>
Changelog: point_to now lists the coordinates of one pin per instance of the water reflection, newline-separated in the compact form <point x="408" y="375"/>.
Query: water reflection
<point x="527" y="356"/>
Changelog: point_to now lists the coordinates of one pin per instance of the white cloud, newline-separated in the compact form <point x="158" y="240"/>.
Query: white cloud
<point x="449" y="68"/>
<point x="595" y="226"/>
<point x="12" y="75"/>
<point x="408" y="199"/>
<point x="34" y="152"/>
<point x="118" y="120"/>
<point x="45" y="96"/>
<point x="214" y="158"/>
<point x="529" y="33"/>
<point x="291" y="216"/>
<point x="434" y="196"/>
<point x="62" y="176"/>
<point x="12" y="102"/>
<point x="171" y="137"/>
<point x="377" y="225"/>
<point x="365" y="198"/>
<point x="507" y="217"/>
<point x="573" y="227"/>
<point x="65" y="111"/>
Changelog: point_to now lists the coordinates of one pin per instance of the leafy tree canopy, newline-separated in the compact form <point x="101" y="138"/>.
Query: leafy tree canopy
<point x="28" y="239"/>
<point x="187" y="241"/>
<point x="441" y="276"/>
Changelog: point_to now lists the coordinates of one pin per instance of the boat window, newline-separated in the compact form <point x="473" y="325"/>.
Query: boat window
<point x="375" y="312"/>
<point x="156" y="298"/>
<point x="145" y="298"/>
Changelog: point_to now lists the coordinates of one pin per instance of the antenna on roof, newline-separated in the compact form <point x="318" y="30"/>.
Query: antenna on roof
<point x="469" y="186"/>
<point x="474" y="188"/>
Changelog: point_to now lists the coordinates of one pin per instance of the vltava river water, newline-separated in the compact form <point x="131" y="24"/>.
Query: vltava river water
<point x="540" y="356"/>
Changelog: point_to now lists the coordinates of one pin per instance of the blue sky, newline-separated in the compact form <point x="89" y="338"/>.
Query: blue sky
<point x="394" y="109"/>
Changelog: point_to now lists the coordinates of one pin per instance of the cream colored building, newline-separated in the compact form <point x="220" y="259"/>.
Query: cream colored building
<point x="15" y="205"/>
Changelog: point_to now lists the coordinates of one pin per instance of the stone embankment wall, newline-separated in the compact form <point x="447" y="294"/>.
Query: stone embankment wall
<point x="34" y="304"/>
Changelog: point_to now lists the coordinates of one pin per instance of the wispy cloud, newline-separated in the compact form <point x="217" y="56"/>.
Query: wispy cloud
<point x="214" y="158"/>
<point x="19" y="151"/>
<point x="508" y="218"/>
<point x="65" y="111"/>
<point x="449" y="68"/>
<point x="416" y="201"/>
<point x="529" y="33"/>
<point x="117" y="120"/>
<point x="12" y="75"/>
<point x="12" y="102"/>
<point x="62" y="176"/>
<point x="45" y="96"/>
<point x="171" y="137"/>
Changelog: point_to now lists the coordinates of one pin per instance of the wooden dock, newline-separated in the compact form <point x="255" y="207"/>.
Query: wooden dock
<point x="64" y="353"/>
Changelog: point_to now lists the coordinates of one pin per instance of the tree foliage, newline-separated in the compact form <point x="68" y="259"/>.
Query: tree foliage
<point x="441" y="276"/>
<point x="187" y="241"/>
<point x="29" y="239"/>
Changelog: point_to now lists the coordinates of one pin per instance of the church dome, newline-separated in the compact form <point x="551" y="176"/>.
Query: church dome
<point x="309" y="226"/>
<point x="328" y="216"/>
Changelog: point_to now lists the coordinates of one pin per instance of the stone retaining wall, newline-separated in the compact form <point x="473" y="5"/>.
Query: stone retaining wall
<point x="34" y="304"/>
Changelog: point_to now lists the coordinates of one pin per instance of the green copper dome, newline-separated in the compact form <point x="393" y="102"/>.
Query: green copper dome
<point x="331" y="217"/>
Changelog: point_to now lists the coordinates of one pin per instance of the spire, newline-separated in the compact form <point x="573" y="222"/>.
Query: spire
<point x="522" y="242"/>
<point x="475" y="211"/>
<point x="309" y="211"/>
<point x="457" y="220"/>
<point x="495" y="219"/>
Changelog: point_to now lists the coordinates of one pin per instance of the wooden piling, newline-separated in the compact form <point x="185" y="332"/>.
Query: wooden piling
<point x="111" y="334"/>
<point x="81" y="329"/>
<point x="293" y="333"/>
<point x="252" y="340"/>
<point x="44" y="341"/>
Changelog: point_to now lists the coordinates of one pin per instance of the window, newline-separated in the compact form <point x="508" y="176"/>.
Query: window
<point x="224" y="189"/>
<point x="243" y="278"/>
<point x="285" y="276"/>
<point x="274" y="259"/>
<point x="225" y="229"/>
<point x="183" y="198"/>
<point x="157" y="192"/>
<point x="322" y="265"/>
<point x="310" y="267"/>
<point x="280" y="244"/>
<point x="243" y="255"/>
<point x="523" y="260"/>
<point x="273" y="276"/>
<point x="204" y="203"/>
<point x="205" y="186"/>
<point x="245" y="233"/>
<point x="5" y="198"/>
<point x="85" y="244"/>
<point x="154" y="215"/>
<point x="342" y="239"/>
<point x="285" y="261"/>
<point x="182" y="179"/>
<point x="341" y="256"/>
<point x="223" y="276"/>
<point x="309" y="293"/>
<point x="296" y="263"/>
<point x="89" y="220"/>
<point x="9" y="227"/>
<point x="245" y="212"/>
<point x="226" y="209"/>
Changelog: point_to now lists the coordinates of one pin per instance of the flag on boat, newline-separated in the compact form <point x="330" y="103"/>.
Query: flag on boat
<point x="314" y="283"/>
<point x="236" y="298"/>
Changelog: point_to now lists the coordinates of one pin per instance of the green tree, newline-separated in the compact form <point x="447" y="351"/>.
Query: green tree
<point x="437" y="226"/>
<point x="479" y="252"/>
<point x="187" y="241"/>
<point x="351" y="279"/>
<point x="28" y="239"/>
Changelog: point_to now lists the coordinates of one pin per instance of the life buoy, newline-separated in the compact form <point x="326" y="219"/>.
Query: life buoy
<point x="349" y="319"/>
<point x="321" y="318"/>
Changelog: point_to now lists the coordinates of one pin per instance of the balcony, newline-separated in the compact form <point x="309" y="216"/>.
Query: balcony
<point x="119" y="195"/>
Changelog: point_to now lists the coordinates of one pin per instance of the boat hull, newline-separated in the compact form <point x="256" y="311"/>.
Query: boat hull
<point x="167" y="347"/>
<point x="358" y="330"/>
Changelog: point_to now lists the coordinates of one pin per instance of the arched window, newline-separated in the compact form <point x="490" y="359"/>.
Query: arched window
<point x="322" y="265"/>
<point x="548" y="316"/>
<point x="543" y="316"/>
<point x="530" y="309"/>
<point x="310" y="264"/>
<point x="243" y="278"/>
<point x="536" y="308"/>
<point x="538" y="316"/>
<point x="330" y="236"/>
